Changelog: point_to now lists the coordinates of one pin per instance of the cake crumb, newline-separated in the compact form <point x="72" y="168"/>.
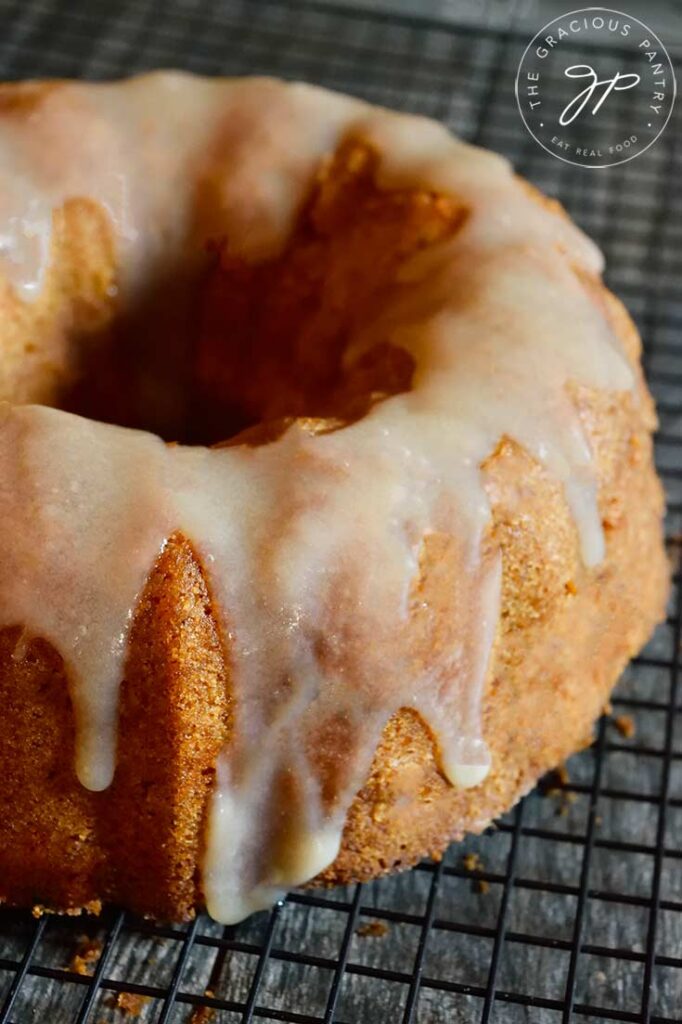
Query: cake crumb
<point x="93" y="907"/>
<point x="551" y="784"/>
<point x="87" y="953"/>
<point x="372" y="929"/>
<point x="203" y="1014"/>
<point x="131" y="1003"/>
<point x="625" y="724"/>
<point x="472" y="862"/>
<point x="554" y="785"/>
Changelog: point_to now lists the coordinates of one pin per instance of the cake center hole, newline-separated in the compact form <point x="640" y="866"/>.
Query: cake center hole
<point x="250" y="345"/>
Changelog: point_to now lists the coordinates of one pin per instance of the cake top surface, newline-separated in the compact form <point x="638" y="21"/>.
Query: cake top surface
<point x="311" y="543"/>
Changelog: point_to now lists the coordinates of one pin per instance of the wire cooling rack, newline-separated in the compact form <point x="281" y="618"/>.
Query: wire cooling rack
<point x="571" y="907"/>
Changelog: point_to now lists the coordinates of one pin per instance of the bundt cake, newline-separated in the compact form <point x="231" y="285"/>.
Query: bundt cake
<point x="329" y="516"/>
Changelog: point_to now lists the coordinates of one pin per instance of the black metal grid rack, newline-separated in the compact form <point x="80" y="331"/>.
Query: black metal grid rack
<point x="581" y="913"/>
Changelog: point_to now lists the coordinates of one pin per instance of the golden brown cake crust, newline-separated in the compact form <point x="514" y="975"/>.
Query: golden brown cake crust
<point x="565" y="634"/>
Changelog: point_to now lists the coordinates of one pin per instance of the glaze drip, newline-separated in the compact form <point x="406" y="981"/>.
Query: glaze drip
<point x="311" y="544"/>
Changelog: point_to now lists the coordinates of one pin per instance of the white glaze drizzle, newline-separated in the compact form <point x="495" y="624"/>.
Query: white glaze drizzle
<point x="309" y="543"/>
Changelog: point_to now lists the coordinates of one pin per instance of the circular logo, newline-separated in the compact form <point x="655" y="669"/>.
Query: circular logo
<point x="595" y="87"/>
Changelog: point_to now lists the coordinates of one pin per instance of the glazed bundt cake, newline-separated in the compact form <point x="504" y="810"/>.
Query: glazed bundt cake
<point x="329" y="517"/>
